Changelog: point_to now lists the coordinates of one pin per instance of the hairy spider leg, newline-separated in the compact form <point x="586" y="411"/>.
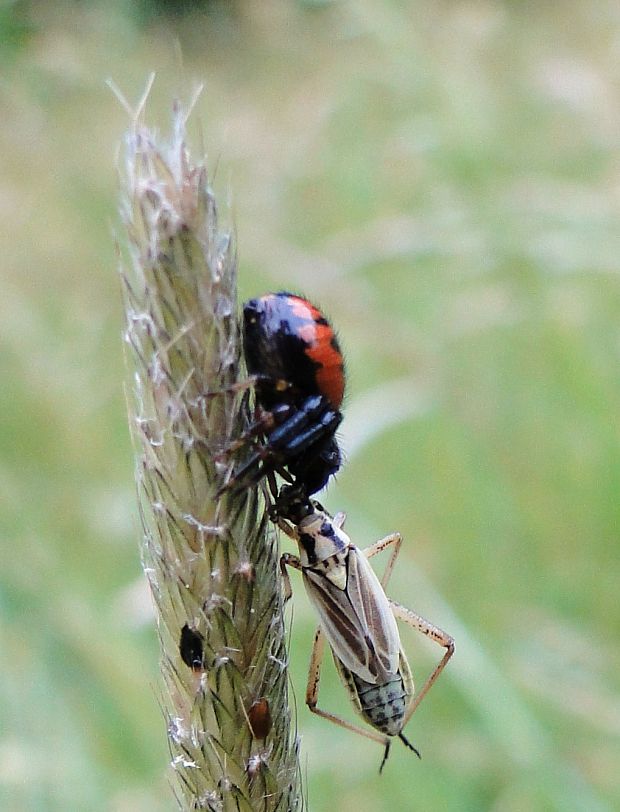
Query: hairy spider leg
<point x="305" y="428"/>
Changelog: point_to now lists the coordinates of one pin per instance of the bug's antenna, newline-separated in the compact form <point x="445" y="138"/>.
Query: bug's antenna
<point x="406" y="741"/>
<point x="385" y="755"/>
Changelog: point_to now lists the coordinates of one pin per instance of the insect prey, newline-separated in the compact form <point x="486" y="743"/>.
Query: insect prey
<point x="358" y="621"/>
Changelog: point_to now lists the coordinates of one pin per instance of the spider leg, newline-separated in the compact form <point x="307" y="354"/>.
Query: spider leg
<point x="295" y="434"/>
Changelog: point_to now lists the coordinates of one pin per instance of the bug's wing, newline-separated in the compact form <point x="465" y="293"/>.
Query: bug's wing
<point x="340" y="624"/>
<point x="358" y="622"/>
<point x="372" y="607"/>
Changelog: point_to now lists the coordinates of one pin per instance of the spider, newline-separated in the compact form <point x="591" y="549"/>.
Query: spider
<point x="296" y="366"/>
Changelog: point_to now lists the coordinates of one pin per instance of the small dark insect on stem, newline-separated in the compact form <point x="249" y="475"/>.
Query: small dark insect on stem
<point x="191" y="648"/>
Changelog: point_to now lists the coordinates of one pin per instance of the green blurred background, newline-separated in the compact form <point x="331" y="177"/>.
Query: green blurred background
<point x="444" y="179"/>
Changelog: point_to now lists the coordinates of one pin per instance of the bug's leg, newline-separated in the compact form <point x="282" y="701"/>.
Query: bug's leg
<point x="299" y="441"/>
<point x="247" y="438"/>
<point x="248" y="474"/>
<point x="312" y="695"/>
<point x="262" y="423"/>
<point x="271" y="497"/>
<point x="288" y="560"/>
<point x="285" y="525"/>
<point x="339" y="520"/>
<point x="393" y="539"/>
<point x="273" y="485"/>
<point x="297" y="430"/>
<point x="264" y="462"/>
<point x="289" y="529"/>
<point x="266" y="457"/>
<point x="289" y="431"/>
<point x="239" y="386"/>
<point x="262" y="419"/>
<point x="249" y="383"/>
<point x="433" y="633"/>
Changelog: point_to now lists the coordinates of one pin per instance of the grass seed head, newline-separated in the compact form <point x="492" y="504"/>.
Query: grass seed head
<point x="211" y="563"/>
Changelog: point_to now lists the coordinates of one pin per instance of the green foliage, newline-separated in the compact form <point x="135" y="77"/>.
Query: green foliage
<point x="15" y="27"/>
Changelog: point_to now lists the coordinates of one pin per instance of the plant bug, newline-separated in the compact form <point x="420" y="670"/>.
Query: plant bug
<point x="357" y="619"/>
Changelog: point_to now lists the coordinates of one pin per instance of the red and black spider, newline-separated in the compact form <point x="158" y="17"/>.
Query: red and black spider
<point x="294" y="360"/>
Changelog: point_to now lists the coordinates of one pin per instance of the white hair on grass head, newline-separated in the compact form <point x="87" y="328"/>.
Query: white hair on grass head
<point x="211" y="565"/>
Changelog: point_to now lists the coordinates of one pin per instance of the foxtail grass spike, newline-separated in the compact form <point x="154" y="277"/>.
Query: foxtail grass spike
<point x="211" y="562"/>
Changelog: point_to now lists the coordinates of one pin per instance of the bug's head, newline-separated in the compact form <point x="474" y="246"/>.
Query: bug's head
<point x="292" y="504"/>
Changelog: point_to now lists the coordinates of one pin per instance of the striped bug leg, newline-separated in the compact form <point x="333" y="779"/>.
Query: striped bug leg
<point x="288" y="560"/>
<point x="312" y="695"/>
<point x="393" y="540"/>
<point x="433" y="633"/>
<point x="339" y="520"/>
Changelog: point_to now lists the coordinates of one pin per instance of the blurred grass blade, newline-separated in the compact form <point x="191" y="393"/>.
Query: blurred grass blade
<point x="211" y="564"/>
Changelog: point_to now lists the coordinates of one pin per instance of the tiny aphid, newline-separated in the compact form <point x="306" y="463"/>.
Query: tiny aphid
<point x="359" y="622"/>
<point x="191" y="648"/>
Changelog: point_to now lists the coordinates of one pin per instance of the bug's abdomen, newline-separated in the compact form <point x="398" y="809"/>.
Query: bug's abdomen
<point x="383" y="706"/>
